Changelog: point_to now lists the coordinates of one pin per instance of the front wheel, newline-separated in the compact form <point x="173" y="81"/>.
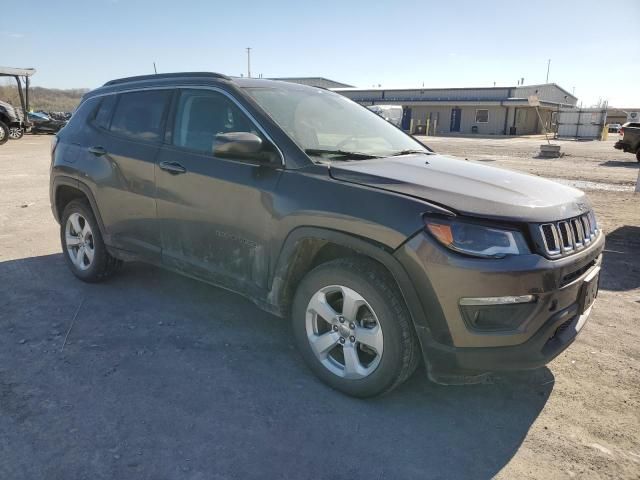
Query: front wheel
<point x="16" y="133"/>
<point x="4" y="133"/>
<point x="353" y="328"/>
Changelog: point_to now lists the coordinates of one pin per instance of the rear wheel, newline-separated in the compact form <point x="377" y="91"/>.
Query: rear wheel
<point x="82" y="244"/>
<point x="353" y="328"/>
<point x="16" y="133"/>
<point x="4" y="133"/>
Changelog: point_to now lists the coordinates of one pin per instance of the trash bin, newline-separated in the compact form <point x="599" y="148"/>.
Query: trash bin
<point x="512" y="130"/>
<point x="474" y="129"/>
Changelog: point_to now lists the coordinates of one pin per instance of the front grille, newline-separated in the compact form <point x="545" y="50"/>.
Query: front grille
<point x="568" y="236"/>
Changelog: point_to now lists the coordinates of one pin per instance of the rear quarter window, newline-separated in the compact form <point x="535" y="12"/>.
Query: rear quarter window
<point x="81" y="116"/>
<point x="138" y="115"/>
<point x="102" y="117"/>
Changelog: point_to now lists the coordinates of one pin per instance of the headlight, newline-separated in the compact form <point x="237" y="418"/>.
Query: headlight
<point x="477" y="240"/>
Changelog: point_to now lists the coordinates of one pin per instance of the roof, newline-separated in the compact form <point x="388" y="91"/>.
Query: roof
<point x="21" y="72"/>
<point x="314" y="82"/>
<point x="355" y="89"/>
<point x="162" y="76"/>
<point x="189" y="78"/>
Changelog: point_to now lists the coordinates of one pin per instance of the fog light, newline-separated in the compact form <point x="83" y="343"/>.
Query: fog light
<point x="497" y="313"/>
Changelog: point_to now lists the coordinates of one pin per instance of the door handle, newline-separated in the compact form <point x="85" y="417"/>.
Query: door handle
<point x="173" y="168"/>
<point x="97" y="151"/>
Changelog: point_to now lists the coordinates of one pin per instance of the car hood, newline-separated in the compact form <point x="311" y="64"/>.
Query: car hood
<point x="467" y="187"/>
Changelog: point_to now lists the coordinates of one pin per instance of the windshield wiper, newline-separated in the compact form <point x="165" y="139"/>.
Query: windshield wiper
<point x="409" y="152"/>
<point x="340" y="153"/>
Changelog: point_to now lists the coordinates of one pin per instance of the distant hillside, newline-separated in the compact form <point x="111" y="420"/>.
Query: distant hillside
<point x="46" y="99"/>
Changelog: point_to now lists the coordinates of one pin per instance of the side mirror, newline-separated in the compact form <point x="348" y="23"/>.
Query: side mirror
<point x="238" y="145"/>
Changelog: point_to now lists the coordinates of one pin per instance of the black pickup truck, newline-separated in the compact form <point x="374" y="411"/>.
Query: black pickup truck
<point x="630" y="142"/>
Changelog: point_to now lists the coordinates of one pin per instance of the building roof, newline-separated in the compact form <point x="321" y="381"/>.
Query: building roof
<point x="428" y="89"/>
<point x="21" y="72"/>
<point x="549" y="93"/>
<point x="314" y="82"/>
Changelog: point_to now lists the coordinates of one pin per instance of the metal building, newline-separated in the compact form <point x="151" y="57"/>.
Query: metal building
<point x="314" y="82"/>
<point x="484" y="111"/>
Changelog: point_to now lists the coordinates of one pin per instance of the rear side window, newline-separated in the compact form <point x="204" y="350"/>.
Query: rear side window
<point x="103" y="114"/>
<point x="138" y="115"/>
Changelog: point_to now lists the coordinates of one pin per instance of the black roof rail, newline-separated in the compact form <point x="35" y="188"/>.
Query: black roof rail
<point x="159" y="76"/>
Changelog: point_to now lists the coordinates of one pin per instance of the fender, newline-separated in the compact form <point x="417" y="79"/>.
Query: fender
<point x="376" y="251"/>
<point x="61" y="180"/>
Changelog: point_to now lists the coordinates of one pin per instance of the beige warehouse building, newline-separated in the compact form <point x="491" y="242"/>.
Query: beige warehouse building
<point x="483" y="111"/>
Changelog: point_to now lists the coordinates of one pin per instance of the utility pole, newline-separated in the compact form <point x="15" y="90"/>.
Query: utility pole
<point x="548" y="65"/>
<point x="249" y="62"/>
<point x="155" y="70"/>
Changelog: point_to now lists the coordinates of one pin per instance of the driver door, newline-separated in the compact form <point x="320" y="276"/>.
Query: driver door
<point x="215" y="214"/>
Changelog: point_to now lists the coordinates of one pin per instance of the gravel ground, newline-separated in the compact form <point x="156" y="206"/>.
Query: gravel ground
<point x="152" y="375"/>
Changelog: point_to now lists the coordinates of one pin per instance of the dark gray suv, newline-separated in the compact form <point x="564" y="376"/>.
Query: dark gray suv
<point x="383" y="253"/>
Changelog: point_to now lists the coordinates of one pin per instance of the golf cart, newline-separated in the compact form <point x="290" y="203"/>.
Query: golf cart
<point x="14" y="123"/>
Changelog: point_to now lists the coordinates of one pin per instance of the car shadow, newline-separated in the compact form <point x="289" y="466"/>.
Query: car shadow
<point x="154" y="374"/>
<point x="631" y="163"/>
<point x="621" y="270"/>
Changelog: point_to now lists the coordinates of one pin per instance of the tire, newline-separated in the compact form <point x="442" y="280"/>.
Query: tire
<point x="82" y="244"/>
<point x="16" y="133"/>
<point x="380" y="333"/>
<point x="4" y="133"/>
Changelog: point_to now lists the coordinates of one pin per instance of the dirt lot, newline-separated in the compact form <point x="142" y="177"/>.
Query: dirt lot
<point x="152" y="375"/>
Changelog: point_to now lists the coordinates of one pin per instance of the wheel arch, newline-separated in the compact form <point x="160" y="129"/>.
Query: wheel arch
<point x="307" y="247"/>
<point x="64" y="190"/>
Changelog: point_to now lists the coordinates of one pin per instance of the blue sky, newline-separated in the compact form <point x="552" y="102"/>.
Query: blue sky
<point x="594" y="46"/>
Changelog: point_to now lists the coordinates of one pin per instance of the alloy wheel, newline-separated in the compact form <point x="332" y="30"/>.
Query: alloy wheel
<point x="344" y="332"/>
<point x="15" y="133"/>
<point x="79" y="241"/>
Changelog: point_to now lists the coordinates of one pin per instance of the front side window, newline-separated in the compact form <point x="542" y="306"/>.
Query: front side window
<point x="138" y="115"/>
<point x="320" y="120"/>
<point x="482" y="116"/>
<point x="203" y="114"/>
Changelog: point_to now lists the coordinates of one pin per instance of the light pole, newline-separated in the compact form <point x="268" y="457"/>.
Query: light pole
<point x="249" y="62"/>
<point x="548" y="65"/>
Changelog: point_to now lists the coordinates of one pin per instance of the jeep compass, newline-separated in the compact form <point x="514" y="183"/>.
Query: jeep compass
<point x="383" y="253"/>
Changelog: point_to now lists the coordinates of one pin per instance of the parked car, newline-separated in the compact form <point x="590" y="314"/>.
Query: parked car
<point x="42" y="123"/>
<point x="630" y="142"/>
<point x="614" y="127"/>
<point x="383" y="253"/>
<point x="11" y="124"/>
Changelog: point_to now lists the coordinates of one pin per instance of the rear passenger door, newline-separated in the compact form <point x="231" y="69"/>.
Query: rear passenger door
<point x="215" y="214"/>
<point x="124" y="157"/>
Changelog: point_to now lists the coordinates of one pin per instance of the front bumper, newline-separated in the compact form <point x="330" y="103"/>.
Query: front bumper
<point x="453" y="348"/>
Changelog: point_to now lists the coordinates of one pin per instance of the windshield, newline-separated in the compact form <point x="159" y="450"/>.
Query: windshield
<point x="324" y="123"/>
